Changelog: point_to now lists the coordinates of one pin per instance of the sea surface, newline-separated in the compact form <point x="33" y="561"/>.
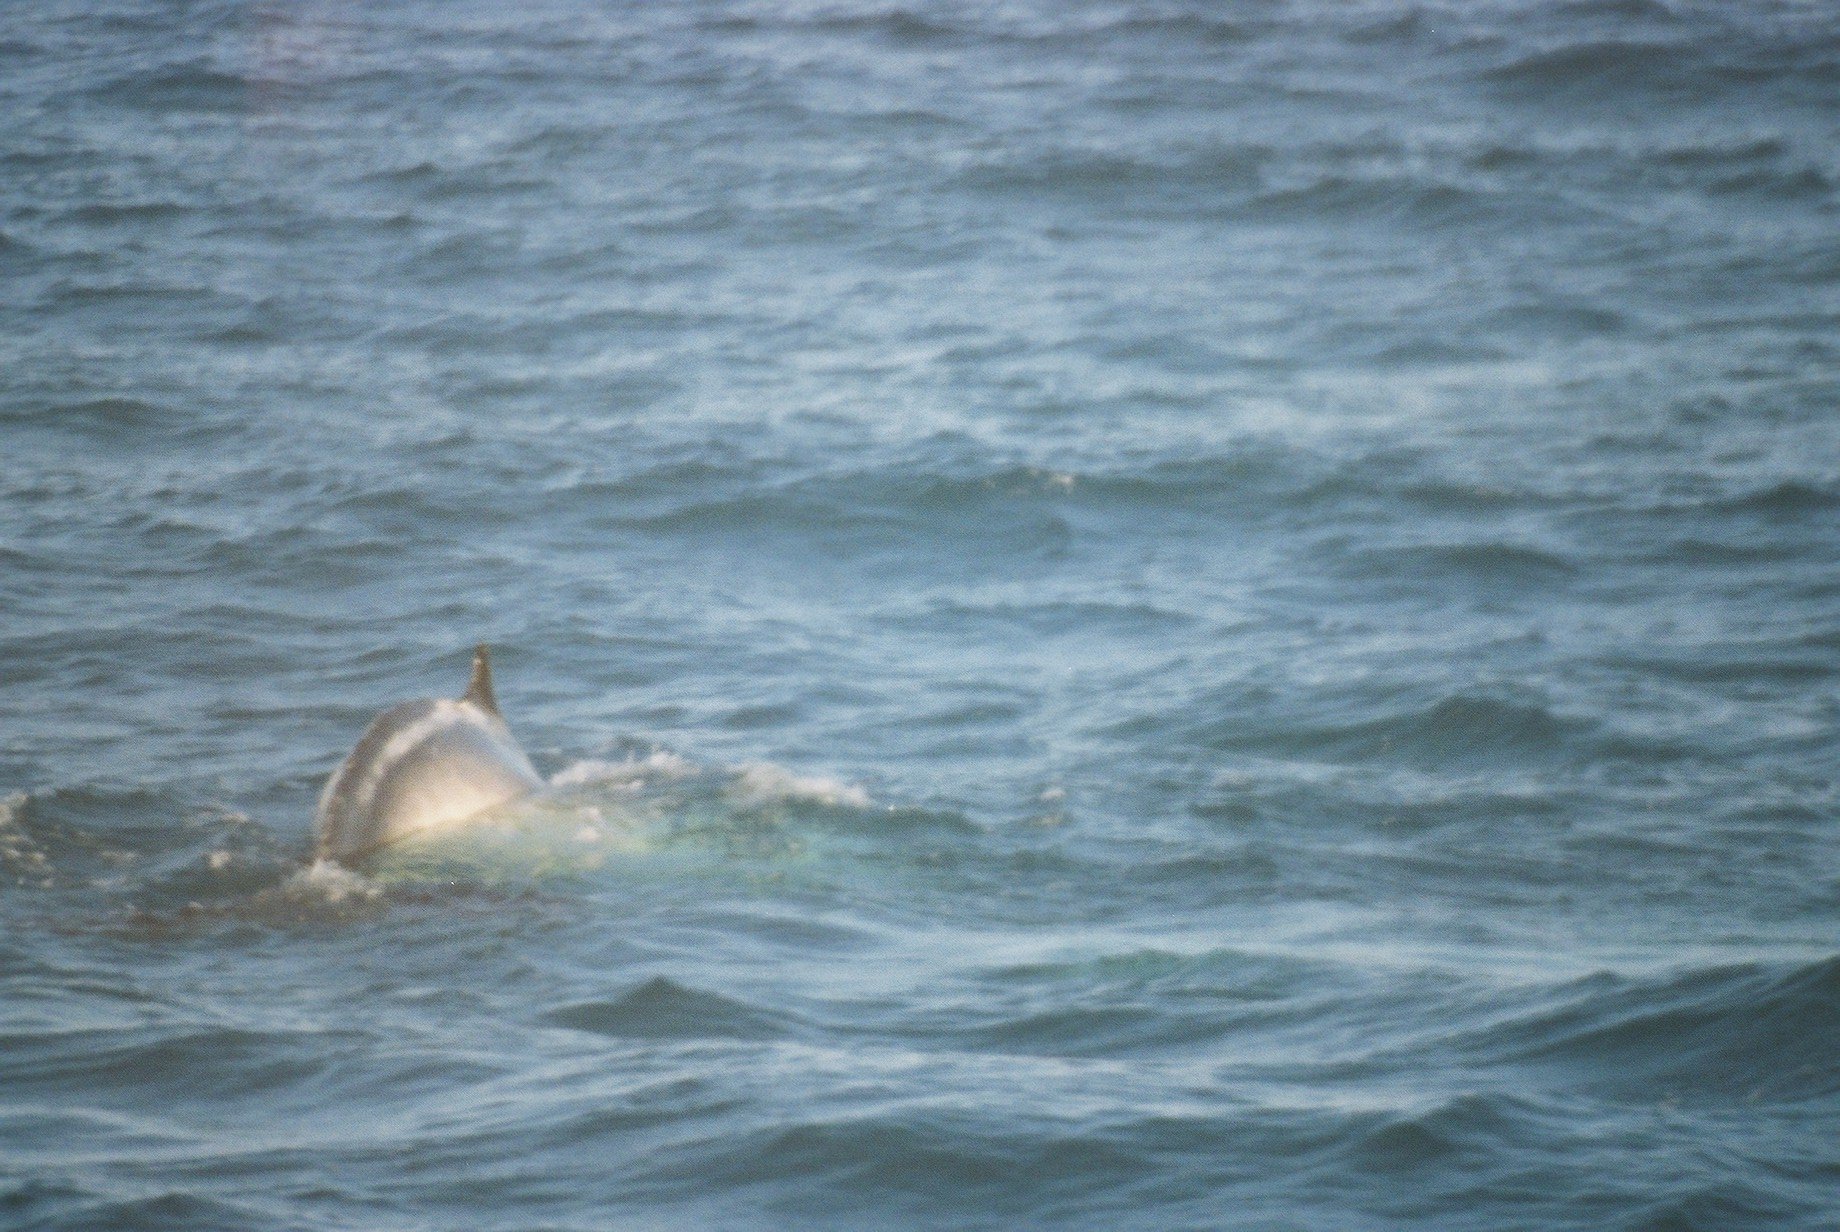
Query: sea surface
<point x="1141" y="615"/>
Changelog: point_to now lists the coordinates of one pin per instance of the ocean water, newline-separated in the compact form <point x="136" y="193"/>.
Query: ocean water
<point x="1143" y="614"/>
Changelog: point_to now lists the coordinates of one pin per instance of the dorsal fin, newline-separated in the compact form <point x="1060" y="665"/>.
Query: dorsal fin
<point x="479" y="689"/>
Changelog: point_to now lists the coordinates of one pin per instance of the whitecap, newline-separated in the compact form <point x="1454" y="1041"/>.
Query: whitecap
<point x="765" y="783"/>
<point x="329" y="882"/>
<point x="631" y="773"/>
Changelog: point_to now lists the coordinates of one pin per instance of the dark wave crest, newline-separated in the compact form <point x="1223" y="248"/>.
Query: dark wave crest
<point x="1749" y="1032"/>
<point x="660" y="1008"/>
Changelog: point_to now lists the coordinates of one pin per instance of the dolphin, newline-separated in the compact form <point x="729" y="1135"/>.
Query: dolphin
<point x="423" y="766"/>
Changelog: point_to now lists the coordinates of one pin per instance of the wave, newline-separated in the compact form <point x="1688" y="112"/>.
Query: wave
<point x="149" y="863"/>
<point x="1186" y="29"/>
<point x="1784" y="500"/>
<point x="1754" y="1032"/>
<point x="98" y="416"/>
<point x="1721" y="155"/>
<point x="1092" y="1031"/>
<point x="914" y="28"/>
<point x="762" y="783"/>
<point x="55" y="1206"/>
<point x="1610" y="65"/>
<point x="151" y="1058"/>
<point x="1777" y="185"/>
<point x="1619" y="10"/>
<point x="941" y="497"/>
<point x="1042" y="616"/>
<point x="876" y="513"/>
<point x="22" y="856"/>
<point x="67" y="836"/>
<point x="1455" y="731"/>
<point x="751" y="785"/>
<point x="1674" y="63"/>
<point x="194" y="86"/>
<point x="445" y="183"/>
<point x="1744" y="552"/>
<point x="127" y="213"/>
<point x="632" y="772"/>
<point x="1766" y="170"/>
<point x="661" y="1008"/>
<point x="1556" y="318"/>
<point x="1261" y="182"/>
<point x="1342" y="197"/>
<point x="1512" y="564"/>
<point x="1137" y="176"/>
<point x="1785" y="665"/>
<point x="17" y="251"/>
<point x="1522" y="1153"/>
<point x="899" y="26"/>
<point x="1475" y="1130"/>
<point x="921" y="1160"/>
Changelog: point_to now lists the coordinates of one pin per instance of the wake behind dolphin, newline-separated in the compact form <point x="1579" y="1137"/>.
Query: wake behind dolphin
<point x="420" y="767"/>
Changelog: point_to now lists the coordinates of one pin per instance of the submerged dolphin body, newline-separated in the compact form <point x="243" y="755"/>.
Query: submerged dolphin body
<point x="422" y="766"/>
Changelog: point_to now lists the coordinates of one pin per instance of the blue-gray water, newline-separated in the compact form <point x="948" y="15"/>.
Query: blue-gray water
<point x="1147" y="615"/>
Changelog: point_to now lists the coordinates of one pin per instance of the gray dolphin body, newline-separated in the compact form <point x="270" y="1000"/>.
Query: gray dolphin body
<point x="423" y="766"/>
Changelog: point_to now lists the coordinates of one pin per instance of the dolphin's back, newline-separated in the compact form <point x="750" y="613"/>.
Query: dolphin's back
<point x="420" y="766"/>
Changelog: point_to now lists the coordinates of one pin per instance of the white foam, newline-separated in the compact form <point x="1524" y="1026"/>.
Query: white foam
<point x="632" y="773"/>
<point x="20" y="854"/>
<point x="329" y="882"/>
<point x="765" y="783"/>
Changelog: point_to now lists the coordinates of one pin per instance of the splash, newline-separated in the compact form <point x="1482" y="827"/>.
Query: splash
<point x="760" y="783"/>
<point x="633" y="772"/>
<point x="750" y="785"/>
<point x="325" y="883"/>
<point x="21" y="856"/>
<point x="651" y="808"/>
